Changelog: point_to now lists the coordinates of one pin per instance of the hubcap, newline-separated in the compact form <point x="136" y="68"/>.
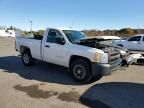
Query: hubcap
<point x="79" y="72"/>
<point x="26" y="58"/>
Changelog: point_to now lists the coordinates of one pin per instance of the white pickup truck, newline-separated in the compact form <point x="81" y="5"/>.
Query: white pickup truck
<point x="134" y="44"/>
<point x="70" y="48"/>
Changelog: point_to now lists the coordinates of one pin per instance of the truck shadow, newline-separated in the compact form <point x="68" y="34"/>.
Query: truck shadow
<point x="41" y="71"/>
<point x="114" y="95"/>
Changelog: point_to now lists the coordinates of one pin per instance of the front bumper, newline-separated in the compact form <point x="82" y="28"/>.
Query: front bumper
<point x="104" y="69"/>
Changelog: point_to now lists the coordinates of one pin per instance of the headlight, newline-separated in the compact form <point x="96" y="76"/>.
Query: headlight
<point x="104" y="58"/>
<point x="101" y="58"/>
<point x="96" y="57"/>
<point x="105" y="50"/>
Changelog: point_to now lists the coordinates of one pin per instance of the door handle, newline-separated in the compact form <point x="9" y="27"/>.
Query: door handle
<point x="47" y="46"/>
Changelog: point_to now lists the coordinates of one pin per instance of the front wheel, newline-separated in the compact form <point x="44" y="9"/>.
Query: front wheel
<point x="27" y="58"/>
<point x="81" y="70"/>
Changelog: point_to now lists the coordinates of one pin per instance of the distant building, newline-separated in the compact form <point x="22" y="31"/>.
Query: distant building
<point x="7" y="33"/>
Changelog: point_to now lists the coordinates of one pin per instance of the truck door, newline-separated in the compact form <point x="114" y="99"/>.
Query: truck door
<point x="54" y="48"/>
<point x="134" y="43"/>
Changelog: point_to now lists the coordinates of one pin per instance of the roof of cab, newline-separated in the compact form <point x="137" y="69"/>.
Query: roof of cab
<point x="61" y="28"/>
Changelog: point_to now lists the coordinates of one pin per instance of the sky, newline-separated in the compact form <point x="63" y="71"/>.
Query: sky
<point x="78" y="14"/>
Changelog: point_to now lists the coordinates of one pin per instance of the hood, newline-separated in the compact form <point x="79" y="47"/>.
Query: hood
<point x="92" y="42"/>
<point x="95" y="43"/>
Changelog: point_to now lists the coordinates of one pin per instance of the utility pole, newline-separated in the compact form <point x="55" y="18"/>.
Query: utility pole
<point x="31" y="26"/>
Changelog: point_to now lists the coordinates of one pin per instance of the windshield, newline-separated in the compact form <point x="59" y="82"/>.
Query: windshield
<point x="74" y="36"/>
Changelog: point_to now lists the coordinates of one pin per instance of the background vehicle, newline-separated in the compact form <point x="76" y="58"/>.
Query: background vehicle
<point x="134" y="44"/>
<point x="7" y="33"/>
<point x="70" y="48"/>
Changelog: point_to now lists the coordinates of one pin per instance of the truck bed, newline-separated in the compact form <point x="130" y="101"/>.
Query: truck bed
<point x="37" y="37"/>
<point x="33" y="44"/>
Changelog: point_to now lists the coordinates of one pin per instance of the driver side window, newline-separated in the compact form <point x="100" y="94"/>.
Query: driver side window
<point x="53" y="35"/>
<point x="137" y="38"/>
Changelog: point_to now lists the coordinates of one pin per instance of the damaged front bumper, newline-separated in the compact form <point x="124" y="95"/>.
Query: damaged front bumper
<point x="99" y="69"/>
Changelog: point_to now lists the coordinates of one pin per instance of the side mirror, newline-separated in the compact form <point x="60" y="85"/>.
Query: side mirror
<point x="60" y="41"/>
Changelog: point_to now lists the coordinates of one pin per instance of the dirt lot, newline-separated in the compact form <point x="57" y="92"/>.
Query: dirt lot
<point x="49" y="86"/>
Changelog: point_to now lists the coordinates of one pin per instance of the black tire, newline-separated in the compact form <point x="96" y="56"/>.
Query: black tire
<point x="27" y="55"/>
<point x="84" y="68"/>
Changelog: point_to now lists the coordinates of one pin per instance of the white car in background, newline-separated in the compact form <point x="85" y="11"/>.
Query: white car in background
<point x="133" y="44"/>
<point x="7" y="33"/>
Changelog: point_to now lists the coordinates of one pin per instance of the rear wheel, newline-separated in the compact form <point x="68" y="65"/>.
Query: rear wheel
<point x="27" y="58"/>
<point x="81" y="70"/>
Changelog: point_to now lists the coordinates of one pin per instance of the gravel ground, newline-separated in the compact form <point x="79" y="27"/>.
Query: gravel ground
<point x="49" y="86"/>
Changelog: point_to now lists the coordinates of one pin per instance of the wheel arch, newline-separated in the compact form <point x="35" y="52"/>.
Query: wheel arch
<point x="24" y="48"/>
<point x="75" y="57"/>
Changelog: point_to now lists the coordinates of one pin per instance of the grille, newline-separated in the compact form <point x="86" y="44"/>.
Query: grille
<point x="114" y="57"/>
